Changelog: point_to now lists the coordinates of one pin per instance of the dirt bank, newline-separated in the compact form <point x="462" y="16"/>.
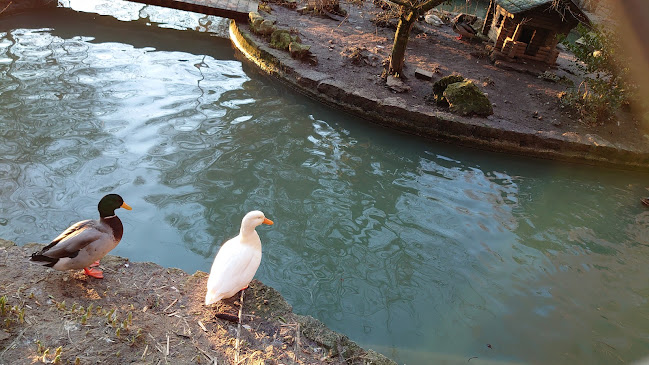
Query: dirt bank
<point x="142" y="313"/>
<point x="528" y="118"/>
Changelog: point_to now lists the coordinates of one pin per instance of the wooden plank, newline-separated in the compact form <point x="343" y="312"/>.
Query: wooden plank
<point x="233" y="9"/>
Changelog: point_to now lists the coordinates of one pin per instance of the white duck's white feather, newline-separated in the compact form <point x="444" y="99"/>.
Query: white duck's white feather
<point x="237" y="261"/>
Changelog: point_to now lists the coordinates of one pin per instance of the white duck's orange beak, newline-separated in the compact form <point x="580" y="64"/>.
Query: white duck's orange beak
<point x="267" y="221"/>
<point x="126" y="206"/>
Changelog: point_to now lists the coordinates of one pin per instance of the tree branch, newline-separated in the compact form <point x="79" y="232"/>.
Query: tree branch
<point x="429" y="5"/>
<point x="420" y="8"/>
<point x="401" y="3"/>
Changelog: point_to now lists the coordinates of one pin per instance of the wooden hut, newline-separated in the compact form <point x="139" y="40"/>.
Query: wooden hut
<point x="529" y="29"/>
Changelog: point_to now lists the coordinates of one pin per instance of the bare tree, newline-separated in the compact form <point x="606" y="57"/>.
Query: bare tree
<point x="409" y="13"/>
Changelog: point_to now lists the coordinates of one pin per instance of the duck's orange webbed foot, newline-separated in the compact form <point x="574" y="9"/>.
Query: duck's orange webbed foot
<point x="94" y="264"/>
<point x="95" y="273"/>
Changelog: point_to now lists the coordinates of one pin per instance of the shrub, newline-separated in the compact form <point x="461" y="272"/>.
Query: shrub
<point x="606" y="87"/>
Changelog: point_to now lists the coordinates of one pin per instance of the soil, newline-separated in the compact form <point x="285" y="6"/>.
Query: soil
<point x="142" y="313"/>
<point x="353" y="47"/>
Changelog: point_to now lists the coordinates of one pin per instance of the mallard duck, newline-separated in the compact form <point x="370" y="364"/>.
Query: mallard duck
<point x="237" y="261"/>
<point x="84" y="243"/>
<point x="462" y="26"/>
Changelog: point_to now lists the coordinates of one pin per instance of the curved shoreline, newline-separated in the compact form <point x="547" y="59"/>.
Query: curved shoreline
<point x="395" y="113"/>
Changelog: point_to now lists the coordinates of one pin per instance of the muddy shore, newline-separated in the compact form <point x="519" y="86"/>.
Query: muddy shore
<point x="142" y="313"/>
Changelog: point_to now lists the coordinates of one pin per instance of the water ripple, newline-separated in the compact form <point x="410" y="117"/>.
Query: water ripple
<point x="396" y="242"/>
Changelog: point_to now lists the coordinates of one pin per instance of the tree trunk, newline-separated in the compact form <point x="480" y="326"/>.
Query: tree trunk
<point x="406" y="21"/>
<point x="410" y="12"/>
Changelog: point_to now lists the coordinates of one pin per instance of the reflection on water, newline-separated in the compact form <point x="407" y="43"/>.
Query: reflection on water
<point x="424" y="251"/>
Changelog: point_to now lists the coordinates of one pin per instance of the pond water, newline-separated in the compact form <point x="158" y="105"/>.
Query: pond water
<point x="477" y="7"/>
<point x="421" y="250"/>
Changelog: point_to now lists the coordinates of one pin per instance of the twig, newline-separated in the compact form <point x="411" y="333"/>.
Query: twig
<point x="213" y="360"/>
<point x="167" y="353"/>
<point x="157" y="344"/>
<point x="148" y="282"/>
<point x="342" y="21"/>
<point x="14" y="341"/>
<point x="144" y="353"/>
<point x="3" y="10"/>
<point x="296" y="326"/>
<point x="242" y="360"/>
<point x="170" y="305"/>
<point x="297" y="341"/>
<point x="187" y="329"/>
<point x="236" y="344"/>
<point x="202" y="326"/>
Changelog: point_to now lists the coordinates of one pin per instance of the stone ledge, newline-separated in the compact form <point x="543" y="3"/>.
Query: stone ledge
<point x="434" y="124"/>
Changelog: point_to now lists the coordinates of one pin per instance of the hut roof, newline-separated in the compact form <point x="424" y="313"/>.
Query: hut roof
<point x="519" y="6"/>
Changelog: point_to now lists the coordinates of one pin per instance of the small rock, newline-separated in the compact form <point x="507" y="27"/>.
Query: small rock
<point x="4" y="335"/>
<point x="422" y="74"/>
<point x="396" y="84"/>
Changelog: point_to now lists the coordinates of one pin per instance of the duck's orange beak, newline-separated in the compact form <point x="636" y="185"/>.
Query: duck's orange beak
<point x="126" y="206"/>
<point x="267" y="221"/>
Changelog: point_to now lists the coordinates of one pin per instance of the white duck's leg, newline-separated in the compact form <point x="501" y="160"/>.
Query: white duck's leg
<point x="236" y="357"/>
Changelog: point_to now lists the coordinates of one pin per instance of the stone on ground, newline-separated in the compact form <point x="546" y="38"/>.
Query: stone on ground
<point x="465" y="98"/>
<point x="440" y="86"/>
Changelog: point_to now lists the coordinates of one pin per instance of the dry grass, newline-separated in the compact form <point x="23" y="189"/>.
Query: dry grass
<point x="140" y="313"/>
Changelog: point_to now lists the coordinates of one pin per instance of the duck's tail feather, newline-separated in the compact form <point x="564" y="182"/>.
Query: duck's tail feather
<point x="38" y="258"/>
<point x="212" y="297"/>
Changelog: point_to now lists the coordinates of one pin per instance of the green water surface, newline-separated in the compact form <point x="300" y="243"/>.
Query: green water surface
<point x="424" y="251"/>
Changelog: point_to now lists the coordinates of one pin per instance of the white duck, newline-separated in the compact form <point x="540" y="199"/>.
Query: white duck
<point x="237" y="261"/>
<point x="84" y="243"/>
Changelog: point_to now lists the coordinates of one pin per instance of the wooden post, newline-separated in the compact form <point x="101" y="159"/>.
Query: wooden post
<point x="515" y="35"/>
<point x="489" y="18"/>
